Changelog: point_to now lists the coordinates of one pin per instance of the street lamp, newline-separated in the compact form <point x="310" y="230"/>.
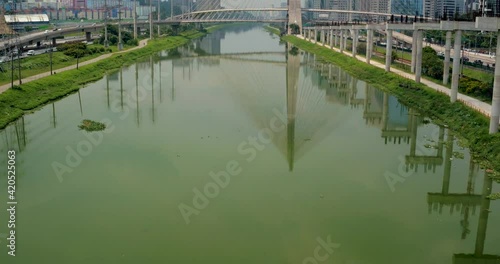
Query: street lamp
<point x="106" y="45"/>
<point x="19" y="64"/>
<point x="51" y="49"/>
<point x="120" y="43"/>
<point x="11" y="69"/>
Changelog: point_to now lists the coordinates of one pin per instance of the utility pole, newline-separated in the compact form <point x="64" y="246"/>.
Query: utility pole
<point x="150" y="20"/>
<point x="120" y="43"/>
<point x="51" y="49"/>
<point x="135" y="19"/>
<point x="106" y="45"/>
<point x="171" y="9"/>
<point x="19" y="63"/>
<point x="158" y="12"/>
<point x="11" y="68"/>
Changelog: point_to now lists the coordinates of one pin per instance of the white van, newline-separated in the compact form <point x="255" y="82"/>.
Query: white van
<point x="30" y="53"/>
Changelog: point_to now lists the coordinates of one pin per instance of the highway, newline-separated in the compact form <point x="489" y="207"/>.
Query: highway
<point x="472" y="56"/>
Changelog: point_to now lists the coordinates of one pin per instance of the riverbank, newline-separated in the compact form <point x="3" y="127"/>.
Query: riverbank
<point x="14" y="102"/>
<point x="468" y="123"/>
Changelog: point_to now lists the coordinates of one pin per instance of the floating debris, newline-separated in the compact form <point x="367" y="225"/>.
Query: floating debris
<point x="429" y="146"/>
<point x="321" y="196"/>
<point x="494" y="196"/>
<point x="89" y="125"/>
<point x="458" y="155"/>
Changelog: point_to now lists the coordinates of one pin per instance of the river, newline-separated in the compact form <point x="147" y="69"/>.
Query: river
<point x="239" y="149"/>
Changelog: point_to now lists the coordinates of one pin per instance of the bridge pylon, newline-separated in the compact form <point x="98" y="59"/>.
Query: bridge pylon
<point x="294" y="15"/>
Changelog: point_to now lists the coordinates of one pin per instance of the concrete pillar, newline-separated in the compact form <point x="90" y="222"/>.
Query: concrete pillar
<point x="446" y="70"/>
<point x="88" y="36"/>
<point x="315" y="36"/>
<point x="483" y="216"/>
<point x="495" y="104"/>
<point x="323" y="37"/>
<point x="456" y="66"/>
<point x="294" y="14"/>
<point x="418" y="53"/>
<point x="388" y="51"/>
<point x="341" y="41"/>
<point x="336" y="38"/>
<point x="413" y="51"/>
<point x="331" y="38"/>
<point x="369" y="45"/>
<point x="345" y="38"/>
<point x="355" y="42"/>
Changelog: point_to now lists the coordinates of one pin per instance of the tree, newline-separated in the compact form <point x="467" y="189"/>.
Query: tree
<point x="361" y="48"/>
<point x="432" y="65"/>
<point x="294" y="51"/>
<point x="113" y="35"/>
<point x="394" y="56"/>
<point x="295" y="28"/>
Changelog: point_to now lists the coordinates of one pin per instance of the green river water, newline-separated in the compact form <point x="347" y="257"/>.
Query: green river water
<point x="234" y="150"/>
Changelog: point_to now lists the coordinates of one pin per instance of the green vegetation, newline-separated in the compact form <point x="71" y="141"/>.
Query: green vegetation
<point x="14" y="102"/>
<point x="41" y="63"/>
<point x="478" y="89"/>
<point x="127" y="37"/>
<point x="90" y="126"/>
<point x="295" y="28"/>
<point x="272" y="30"/>
<point x="432" y="65"/>
<point x="495" y="196"/>
<point x="471" y="125"/>
<point x="79" y="49"/>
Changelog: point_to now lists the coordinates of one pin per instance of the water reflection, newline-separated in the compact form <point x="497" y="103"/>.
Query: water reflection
<point x="400" y="123"/>
<point x="311" y="89"/>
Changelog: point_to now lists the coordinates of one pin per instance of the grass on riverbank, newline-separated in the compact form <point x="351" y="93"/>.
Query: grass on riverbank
<point x="14" y="102"/>
<point x="34" y="65"/>
<point x="469" y="123"/>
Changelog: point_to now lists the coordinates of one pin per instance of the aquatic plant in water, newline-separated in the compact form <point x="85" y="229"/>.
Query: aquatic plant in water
<point x="494" y="196"/>
<point x="89" y="125"/>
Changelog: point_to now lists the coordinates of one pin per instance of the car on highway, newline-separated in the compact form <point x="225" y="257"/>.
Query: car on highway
<point x="30" y="53"/>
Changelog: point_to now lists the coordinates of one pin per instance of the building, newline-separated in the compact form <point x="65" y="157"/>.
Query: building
<point x="19" y="22"/>
<point x="340" y="5"/>
<point x="492" y="7"/>
<point x="437" y="8"/>
<point x="407" y="7"/>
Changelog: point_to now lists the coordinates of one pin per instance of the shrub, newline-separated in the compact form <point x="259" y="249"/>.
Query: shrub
<point x="361" y="49"/>
<point x="132" y="42"/>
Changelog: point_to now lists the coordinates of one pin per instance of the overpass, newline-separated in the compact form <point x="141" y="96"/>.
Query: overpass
<point x="291" y="15"/>
<point x="338" y="34"/>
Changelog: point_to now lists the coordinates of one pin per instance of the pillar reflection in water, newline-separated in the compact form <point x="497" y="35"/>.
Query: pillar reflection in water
<point x="152" y="65"/>
<point x="137" y="94"/>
